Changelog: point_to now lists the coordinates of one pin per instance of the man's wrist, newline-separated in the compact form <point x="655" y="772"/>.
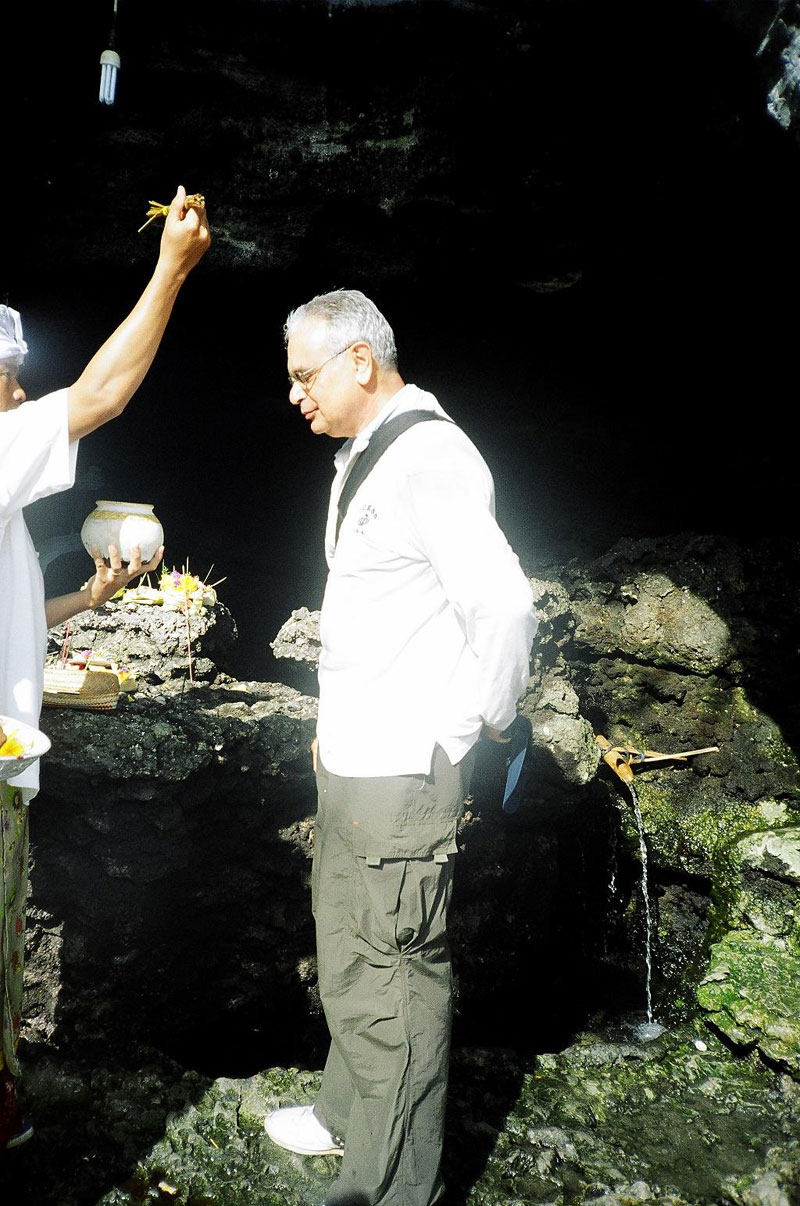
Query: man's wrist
<point x="170" y="273"/>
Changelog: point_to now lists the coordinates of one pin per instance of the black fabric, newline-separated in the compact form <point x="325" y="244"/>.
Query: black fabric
<point x="380" y="440"/>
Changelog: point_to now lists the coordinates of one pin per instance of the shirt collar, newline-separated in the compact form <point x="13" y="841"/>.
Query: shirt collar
<point x="410" y="397"/>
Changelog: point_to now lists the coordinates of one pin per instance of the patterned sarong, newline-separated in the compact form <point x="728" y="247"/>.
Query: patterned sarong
<point x="13" y="899"/>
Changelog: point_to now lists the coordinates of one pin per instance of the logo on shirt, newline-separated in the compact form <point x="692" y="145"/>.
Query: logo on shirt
<point x="365" y="517"/>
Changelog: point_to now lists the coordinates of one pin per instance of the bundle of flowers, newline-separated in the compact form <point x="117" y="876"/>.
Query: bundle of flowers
<point x="177" y="590"/>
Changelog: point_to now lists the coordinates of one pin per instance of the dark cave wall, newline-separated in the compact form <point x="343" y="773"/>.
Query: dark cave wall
<point x="534" y="140"/>
<point x="564" y="208"/>
<point x="312" y="129"/>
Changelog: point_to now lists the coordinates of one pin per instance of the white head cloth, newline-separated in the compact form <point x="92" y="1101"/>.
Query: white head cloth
<point x="12" y="345"/>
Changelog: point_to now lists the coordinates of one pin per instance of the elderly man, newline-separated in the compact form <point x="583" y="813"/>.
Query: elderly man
<point x="426" y="630"/>
<point x="38" y="450"/>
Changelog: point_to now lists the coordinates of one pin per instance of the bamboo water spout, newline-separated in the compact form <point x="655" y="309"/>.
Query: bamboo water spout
<point x="623" y="758"/>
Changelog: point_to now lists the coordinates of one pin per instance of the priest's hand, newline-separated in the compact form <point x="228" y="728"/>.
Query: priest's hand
<point x="111" y="574"/>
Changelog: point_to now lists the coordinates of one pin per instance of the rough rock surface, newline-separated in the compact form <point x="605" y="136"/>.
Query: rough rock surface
<point x="751" y="993"/>
<point x="169" y="910"/>
<point x="685" y="644"/>
<point x="773" y="31"/>
<point x="673" y="1122"/>
<point x="184" y="815"/>
<point x="298" y="639"/>
<point x="152" y="641"/>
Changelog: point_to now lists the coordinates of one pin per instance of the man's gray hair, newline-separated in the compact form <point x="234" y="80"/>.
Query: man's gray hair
<point x="351" y="317"/>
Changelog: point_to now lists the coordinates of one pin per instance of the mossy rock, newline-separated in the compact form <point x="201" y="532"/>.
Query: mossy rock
<point x="769" y="900"/>
<point x="215" y="1152"/>
<point x="674" y="1121"/>
<point x="751" y="993"/>
<point x="776" y="852"/>
<point x="614" y="1118"/>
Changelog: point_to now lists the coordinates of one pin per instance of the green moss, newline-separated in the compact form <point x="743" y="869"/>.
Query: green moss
<point x="699" y="842"/>
<point x="751" y="993"/>
<point x="680" y="1115"/>
<point x="216" y="1152"/>
<point x="600" y="1116"/>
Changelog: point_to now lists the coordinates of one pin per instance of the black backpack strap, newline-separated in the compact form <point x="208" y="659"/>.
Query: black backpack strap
<point x="380" y="440"/>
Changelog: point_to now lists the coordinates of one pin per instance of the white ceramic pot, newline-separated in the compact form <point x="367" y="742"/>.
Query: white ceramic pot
<point x="124" y="524"/>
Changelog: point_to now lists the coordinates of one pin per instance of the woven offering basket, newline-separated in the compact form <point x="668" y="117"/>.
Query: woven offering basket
<point x="93" y="686"/>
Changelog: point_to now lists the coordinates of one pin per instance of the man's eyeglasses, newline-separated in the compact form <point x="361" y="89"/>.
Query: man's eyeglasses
<point x="306" y="376"/>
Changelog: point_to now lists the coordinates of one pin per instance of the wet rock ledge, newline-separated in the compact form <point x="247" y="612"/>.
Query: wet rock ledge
<point x="171" y="979"/>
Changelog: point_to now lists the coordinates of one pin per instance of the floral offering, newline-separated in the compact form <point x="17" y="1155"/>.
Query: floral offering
<point x="177" y="590"/>
<point x="9" y="746"/>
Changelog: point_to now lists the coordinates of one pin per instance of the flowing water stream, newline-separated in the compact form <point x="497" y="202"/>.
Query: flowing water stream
<point x="637" y="812"/>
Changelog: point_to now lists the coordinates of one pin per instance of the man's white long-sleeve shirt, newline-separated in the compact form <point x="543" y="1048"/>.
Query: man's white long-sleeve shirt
<point x="428" y="619"/>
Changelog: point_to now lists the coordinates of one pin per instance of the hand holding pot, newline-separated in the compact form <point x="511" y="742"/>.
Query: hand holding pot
<point x="113" y="575"/>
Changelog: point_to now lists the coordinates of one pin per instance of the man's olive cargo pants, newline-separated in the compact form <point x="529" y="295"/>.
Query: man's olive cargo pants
<point x="381" y="884"/>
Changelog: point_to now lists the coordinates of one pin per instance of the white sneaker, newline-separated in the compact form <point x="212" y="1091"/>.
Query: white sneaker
<point x="297" y="1129"/>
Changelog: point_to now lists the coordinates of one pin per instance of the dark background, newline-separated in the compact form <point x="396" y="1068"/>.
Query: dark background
<point x="586" y="246"/>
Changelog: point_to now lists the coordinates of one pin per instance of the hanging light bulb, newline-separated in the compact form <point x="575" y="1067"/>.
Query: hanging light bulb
<point x="109" y="66"/>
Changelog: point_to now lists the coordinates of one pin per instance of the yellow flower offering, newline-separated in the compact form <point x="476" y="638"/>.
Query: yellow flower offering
<point x="178" y="590"/>
<point x="11" y="748"/>
<point x="180" y="580"/>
